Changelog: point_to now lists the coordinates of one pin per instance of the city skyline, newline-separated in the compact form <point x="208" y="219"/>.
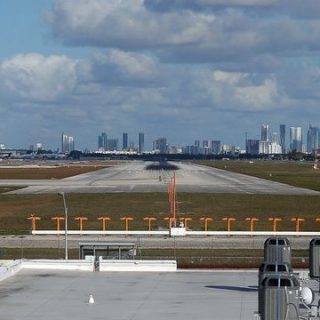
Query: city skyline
<point x="181" y="69"/>
<point x="309" y="135"/>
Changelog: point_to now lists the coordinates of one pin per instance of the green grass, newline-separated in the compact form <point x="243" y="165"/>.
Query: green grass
<point x="186" y="258"/>
<point x="218" y="258"/>
<point x="15" y="209"/>
<point x="47" y="173"/>
<point x="37" y="253"/>
<point x="298" y="174"/>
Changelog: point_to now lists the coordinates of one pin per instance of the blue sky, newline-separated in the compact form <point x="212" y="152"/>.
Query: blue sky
<point x="202" y="69"/>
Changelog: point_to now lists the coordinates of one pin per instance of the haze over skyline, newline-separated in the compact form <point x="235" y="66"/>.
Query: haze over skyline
<point x="208" y="69"/>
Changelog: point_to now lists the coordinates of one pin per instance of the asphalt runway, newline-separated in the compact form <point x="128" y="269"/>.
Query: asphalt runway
<point x="53" y="294"/>
<point x="133" y="177"/>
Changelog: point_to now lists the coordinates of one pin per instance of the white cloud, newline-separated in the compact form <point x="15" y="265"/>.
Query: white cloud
<point x="186" y="35"/>
<point x="122" y="24"/>
<point x="243" y="91"/>
<point x="127" y="69"/>
<point x="38" y="78"/>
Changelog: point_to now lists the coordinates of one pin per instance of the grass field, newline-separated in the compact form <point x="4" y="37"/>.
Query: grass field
<point x="15" y="209"/>
<point x="299" y="174"/>
<point x="47" y="173"/>
<point x="186" y="258"/>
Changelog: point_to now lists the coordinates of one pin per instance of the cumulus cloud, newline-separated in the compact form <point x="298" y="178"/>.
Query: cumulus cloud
<point x="242" y="91"/>
<point x="121" y="24"/>
<point x="169" y="65"/>
<point x="127" y="69"/>
<point x="164" y="5"/>
<point x="38" y="78"/>
<point x="185" y="35"/>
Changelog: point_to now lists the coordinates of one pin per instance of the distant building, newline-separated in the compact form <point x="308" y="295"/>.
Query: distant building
<point x="265" y="132"/>
<point x="67" y="143"/>
<point x="275" y="148"/>
<point x="102" y="141"/>
<point x="252" y="146"/>
<point x="124" y="141"/>
<point x="216" y="146"/>
<point x="205" y="144"/>
<point x="283" y="138"/>
<point x="190" y="150"/>
<point x="263" y="147"/>
<point x="296" y="139"/>
<point x="274" y="137"/>
<point x="228" y="149"/>
<point x="196" y="147"/>
<point x="160" y="145"/>
<point x="174" y="150"/>
<point x="313" y="139"/>
<point x="141" y="142"/>
<point x="112" y="145"/>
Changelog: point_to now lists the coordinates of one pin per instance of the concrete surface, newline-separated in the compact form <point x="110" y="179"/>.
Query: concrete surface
<point x="180" y="296"/>
<point x="132" y="177"/>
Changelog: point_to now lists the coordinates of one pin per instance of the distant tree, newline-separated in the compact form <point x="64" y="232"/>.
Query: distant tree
<point x="75" y="155"/>
<point x="295" y="155"/>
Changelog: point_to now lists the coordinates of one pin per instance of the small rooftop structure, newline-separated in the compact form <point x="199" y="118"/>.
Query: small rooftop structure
<point x="108" y="250"/>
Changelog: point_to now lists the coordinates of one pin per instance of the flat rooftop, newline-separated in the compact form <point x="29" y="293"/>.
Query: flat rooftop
<point x="47" y="294"/>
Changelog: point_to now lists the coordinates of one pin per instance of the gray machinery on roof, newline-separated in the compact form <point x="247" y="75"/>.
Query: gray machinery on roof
<point x="277" y="250"/>
<point x="281" y="295"/>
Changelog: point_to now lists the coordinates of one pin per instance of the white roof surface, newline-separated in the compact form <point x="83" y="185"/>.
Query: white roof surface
<point x="48" y="295"/>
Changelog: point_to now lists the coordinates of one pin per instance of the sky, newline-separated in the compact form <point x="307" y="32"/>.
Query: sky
<point x="183" y="69"/>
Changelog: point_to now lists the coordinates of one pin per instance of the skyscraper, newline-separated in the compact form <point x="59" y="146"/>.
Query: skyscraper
<point x="313" y="139"/>
<point x="160" y="145"/>
<point x="103" y="141"/>
<point x="265" y="132"/>
<point x="67" y="143"/>
<point x="216" y="146"/>
<point x="296" y="139"/>
<point x="124" y="141"/>
<point x="253" y="146"/>
<point x="141" y="142"/>
<point x="205" y="143"/>
<point x="283" y="137"/>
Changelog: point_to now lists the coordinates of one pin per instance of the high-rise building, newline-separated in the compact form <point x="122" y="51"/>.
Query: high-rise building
<point x="252" y="146"/>
<point x="216" y="146"/>
<point x="283" y="137"/>
<point x="124" y="141"/>
<point x="296" y="139"/>
<point x="265" y="132"/>
<point x="141" y="142"/>
<point x="274" y="137"/>
<point x="67" y="143"/>
<point x="313" y="139"/>
<point x="205" y="144"/>
<point x="263" y="147"/>
<point x="196" y="149"/>
<point x="160" y="145"/>
<point x="103" y="141"/>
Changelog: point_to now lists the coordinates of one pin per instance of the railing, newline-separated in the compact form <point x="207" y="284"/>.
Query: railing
<point x="187" y="233"/>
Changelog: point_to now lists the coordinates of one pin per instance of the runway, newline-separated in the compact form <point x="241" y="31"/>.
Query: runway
<point x="133" y="177"/>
